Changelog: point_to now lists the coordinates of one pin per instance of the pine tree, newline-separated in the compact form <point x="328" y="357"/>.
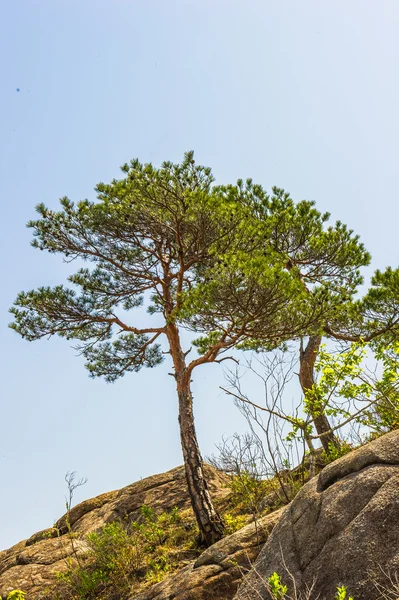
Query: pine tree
<point x="194" y="255"/>
<point x="236" y="267"/>
<point x="325" y="260"/>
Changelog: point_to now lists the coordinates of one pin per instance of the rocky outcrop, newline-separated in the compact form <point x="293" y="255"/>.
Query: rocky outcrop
<point x="342" y="528"/>
<point x="217" y="572"/>
<point x="31" y="564"/>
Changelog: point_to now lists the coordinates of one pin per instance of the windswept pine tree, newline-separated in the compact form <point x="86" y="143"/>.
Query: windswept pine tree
<point x="233" y="265"/>
<point x="196" y="256"/>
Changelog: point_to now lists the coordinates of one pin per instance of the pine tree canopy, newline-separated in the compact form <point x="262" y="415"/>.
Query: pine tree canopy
<point x="376" y="316"/>
<point x="231" y="263"/>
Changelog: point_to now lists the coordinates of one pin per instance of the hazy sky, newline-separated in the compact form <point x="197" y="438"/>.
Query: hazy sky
<point x="303" y="94"/>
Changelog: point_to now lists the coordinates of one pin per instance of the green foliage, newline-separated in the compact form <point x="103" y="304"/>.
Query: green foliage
<point x="342" y="594"/>
<point x="80" y="582"/>
<point x="234" y="522"/>
<point x="385" y="413"/>
<point x="229" y="262"/>
<point x="335" y="452"/>
<point x="155" y="530"/>
<point x="120" y="557"/>
<point x="277" y="589"/>
<point x="377" y="313"/>
<point x="347" y="389"/>
<point x="16" y="595"/>
<point x="299" y="427"/>
<point x="248" y="490"/>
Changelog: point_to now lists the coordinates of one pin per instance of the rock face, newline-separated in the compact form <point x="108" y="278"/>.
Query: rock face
<point x="31" y="565"/>
<point x="341" y="529"/>
<point x="217" y="572"/>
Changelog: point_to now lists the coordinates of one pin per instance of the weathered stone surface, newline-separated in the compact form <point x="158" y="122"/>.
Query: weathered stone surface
<point x="31" y="564"/>
<point x="45" y="534"/>
<point x="342" y="528"/>
<point x="217" y="572"/>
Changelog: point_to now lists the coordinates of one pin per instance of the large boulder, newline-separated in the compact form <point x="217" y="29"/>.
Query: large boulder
<point x="341" y="529"/>
<point x="31" y="565"/>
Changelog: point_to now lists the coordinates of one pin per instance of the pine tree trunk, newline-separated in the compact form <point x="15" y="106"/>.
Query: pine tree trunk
<point x="209" y="522"/>
<point x="306" y="378"/>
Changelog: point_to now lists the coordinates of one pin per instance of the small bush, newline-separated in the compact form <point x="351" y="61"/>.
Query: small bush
<point x="277" y="589"/>
<point x="234" y="522"/>
<point x="120" y="557"/>
<point x="334" y="452"/>
<point x="342" y="593"/>
<point x="16" y="595"/>
<point x="248" y="491"/>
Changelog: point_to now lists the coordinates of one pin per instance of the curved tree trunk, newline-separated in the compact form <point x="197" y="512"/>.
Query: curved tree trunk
<point x="306" y="377"/>
<point x="209" y="522"/>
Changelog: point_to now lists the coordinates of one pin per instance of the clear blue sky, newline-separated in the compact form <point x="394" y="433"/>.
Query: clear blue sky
<point x="299" y="94"/>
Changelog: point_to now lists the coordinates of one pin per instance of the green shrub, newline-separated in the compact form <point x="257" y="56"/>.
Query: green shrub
<point x="248" y="491"/>
<point x="120" y="556"/>
<point x="80" y="582"/>
<point x="277" y="589"/>
<point x="16" y="595"/>
<point x="334" y="452"/>
<point x="341" y="594"/>
<point x="234" y="522"/>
